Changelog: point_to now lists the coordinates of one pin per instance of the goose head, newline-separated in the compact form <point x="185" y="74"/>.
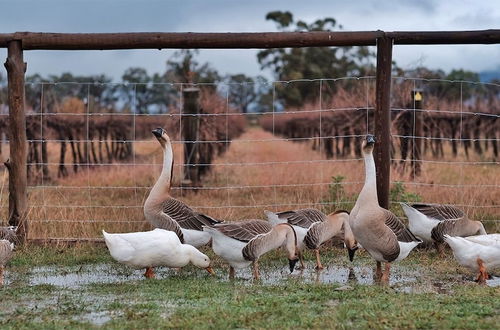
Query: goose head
<point x="162" y="137"/>
<point x="200" y="260"/>
<point x="368" y="144"/>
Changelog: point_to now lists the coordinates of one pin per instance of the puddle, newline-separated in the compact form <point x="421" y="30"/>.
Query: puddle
<point x="95" y="318"/>
<point x="74" y="277"/>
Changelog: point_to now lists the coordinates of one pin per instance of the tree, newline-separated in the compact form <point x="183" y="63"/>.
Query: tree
<point x="243" y="91"/>
<point x="312" y="62"/>
<point x="187" y="70"/>
<point x="136" y="92"/>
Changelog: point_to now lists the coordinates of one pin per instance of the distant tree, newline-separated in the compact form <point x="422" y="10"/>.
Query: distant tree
<point x="312" y="62"/>
<point x="136" y="93"/>
<point x="183" y="68"/>
<point x="243" y="91"/>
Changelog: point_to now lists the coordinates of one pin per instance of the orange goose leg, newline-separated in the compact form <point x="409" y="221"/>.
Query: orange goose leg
<point x="149" y="272"/>
<point x="483" y="275"/>
<point x="319" y="266"/>
<point x="231" y="272"/>
<point x="378" y="272"/>
<point x="385" y="274"/>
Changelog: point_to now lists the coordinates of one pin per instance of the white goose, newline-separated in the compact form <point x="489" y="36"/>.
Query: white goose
<point x="479" y="253"/>
<point x="430" y="222"/>
<point x="154" y="248"/>
<point x="165" y="212"/>
<point x="378" y="230"/>
<point x="243" y="243"/>
<point x="6" y="249"/>
<point x="313" y="228"/>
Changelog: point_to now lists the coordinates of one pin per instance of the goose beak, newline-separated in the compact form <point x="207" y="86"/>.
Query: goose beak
<point x="210" y="270"/>
<point x="370" y="139"/>
<point x="351" y="253"/>
<point x="292" y="263"/>
<point x="157" y="132"/>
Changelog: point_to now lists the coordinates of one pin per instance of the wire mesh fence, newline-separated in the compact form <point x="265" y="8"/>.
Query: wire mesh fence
<point x="92" y="158"/>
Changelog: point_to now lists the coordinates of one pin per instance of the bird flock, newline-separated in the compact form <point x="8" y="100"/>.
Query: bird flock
<point x="180" y="231"/>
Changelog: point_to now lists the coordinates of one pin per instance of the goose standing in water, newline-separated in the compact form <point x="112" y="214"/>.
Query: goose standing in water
<point x="430" y="222"/>
<point x="154" y="248"/>
<point x="313" y="228"/>
<point x="165" y="212"/>
<point x="478" y="253"/>
<point x="243" y="243"/>
<point x="6" y="249"/>
<point x="378" y="230"/>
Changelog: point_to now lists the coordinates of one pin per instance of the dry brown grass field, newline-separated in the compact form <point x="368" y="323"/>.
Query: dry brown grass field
<point x="258" y="172"/>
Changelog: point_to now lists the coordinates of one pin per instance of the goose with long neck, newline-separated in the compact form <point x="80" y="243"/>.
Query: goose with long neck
<point x="243" y="243"/>
<point x="165" y="212"/>
<point x="378" y="230"/>
<point x="313" y="228"/>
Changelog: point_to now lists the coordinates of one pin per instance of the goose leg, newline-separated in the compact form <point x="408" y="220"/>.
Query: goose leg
<point x="255" y="270"/>
<point x="483" y="276"/>
<point x="149" y="273"/>
<point x="1" y="275"/>
<point x="231" y="272"/>
<point x="319" y="266"/>
<point x="378" y="273"/>
<point x="440" y="249"/>
<point x="301" y="260"/>
<point x="385" y="274"/>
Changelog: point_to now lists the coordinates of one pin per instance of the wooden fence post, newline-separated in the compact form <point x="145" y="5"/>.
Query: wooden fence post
<point x="190" y="128"/>
<point x="383" y="120"/>
<point x="18" y="175"/>
<point x="416" y="151"/>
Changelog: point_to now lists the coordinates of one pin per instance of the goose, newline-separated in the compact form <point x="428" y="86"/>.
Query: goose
<point x="479" y="253"/>
<point x="243" y="243"/>
<point x="165" y="212"/>
<point x="430" y="222"/>
<point x="154" y="248"/>
<point x="6" y="249"/>
<point x="378" y="230"/>
<point x="313" y="228"/>
<point x="9" y="233"/>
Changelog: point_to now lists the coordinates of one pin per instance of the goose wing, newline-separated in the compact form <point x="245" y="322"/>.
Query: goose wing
<point x="313" y="237"/>
<point x="244" y="231"/>
<point x="443" y="228"/>
<point x="398" y="228"/>
<point x="439" y="212"/>
<point x="302" y="218"/>
<point x="185" y="216"/>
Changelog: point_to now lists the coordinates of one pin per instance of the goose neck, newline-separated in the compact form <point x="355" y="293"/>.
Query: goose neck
<point x="161" y="188"/>
<point x="368" y="194"/>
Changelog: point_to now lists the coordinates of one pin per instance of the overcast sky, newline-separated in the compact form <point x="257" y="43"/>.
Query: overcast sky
<point x="242" y="16"/>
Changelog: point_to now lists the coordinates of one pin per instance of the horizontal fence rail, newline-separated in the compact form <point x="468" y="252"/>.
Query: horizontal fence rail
<point x="160" y="40"/>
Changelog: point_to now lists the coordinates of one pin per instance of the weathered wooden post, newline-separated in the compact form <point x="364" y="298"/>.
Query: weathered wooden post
<point x="190" y="128"/>
<point x="417" y="98"/>
<point x="18" y="176"/>
<point x="383" y="119"/>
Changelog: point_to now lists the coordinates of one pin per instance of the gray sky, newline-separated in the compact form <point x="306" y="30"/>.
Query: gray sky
<point x="242" y="16"/>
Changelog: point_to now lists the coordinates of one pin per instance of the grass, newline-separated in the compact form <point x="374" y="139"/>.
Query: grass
<point x="193" y="299"/>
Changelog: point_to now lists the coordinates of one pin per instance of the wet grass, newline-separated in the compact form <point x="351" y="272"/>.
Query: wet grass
<point x="81" y="287"/>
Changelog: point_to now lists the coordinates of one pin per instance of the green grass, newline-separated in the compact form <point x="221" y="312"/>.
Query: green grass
<point x="193" y="299"/>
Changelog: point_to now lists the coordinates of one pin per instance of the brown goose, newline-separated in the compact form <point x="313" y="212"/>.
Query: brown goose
<point x="165" y="212"/>
<point x="6" y="249"/>
<point x="313" y="228"/>
<point x="431" y="222"/>
<point x="244" y="242"/>
<point x="379" y="231"/>
<point x="9" y="233"/>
